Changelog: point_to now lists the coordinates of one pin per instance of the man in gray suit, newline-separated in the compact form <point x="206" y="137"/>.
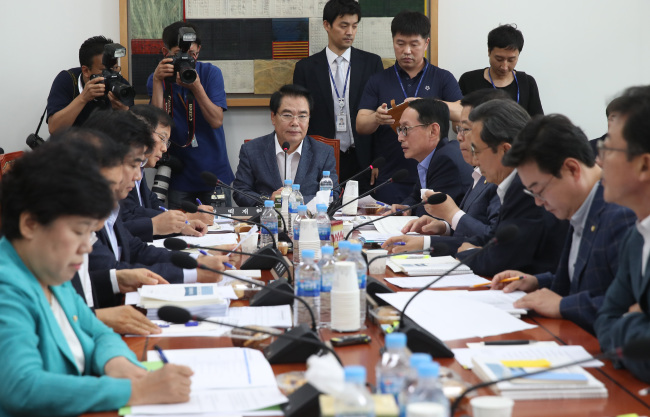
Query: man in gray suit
<point x="262" y="171"/>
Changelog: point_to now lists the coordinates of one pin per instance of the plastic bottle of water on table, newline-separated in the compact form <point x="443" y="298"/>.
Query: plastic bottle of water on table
<point x="427" y="398"/>
<point x="354" y="400"/>
<point x="295" y="200"/>
<point x="326" y="184"/>
<point x="307" y="279"/>
<point x="324" y="225"/>
<point x="326" y="265"/>
<point x="270" y="220"/>
<point x="393" y="367"/>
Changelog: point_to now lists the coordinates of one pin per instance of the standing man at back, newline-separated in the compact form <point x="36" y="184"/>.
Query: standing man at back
<point x="411" y="77"/>
<point x="335" y="77"/>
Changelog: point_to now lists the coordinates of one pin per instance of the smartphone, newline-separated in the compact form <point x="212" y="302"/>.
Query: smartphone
<point x="356" y="339"/>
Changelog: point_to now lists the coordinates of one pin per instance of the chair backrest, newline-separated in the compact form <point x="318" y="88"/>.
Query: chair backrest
<point x="7" y="160"/>
<point x="336" y="144"/>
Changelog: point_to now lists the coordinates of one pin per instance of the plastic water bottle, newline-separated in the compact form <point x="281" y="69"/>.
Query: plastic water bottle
<point x="411" y="380"/>
<point x="307" y="279"/>
<point x="343" y="252"/>
<point x="362" y="267"/>
<point x="302" y="214"/>
<point x="427" y="398"/>
<point x="270" y="220"/>
<point x="295" y="200"/>
<point x="393" y="367"/>
<point x="326" y="184"/>
<point x="354" y="400"/>
<point x="324" y="225"/>
<point x="284" y="209"/>
<point x="326" y="265"/>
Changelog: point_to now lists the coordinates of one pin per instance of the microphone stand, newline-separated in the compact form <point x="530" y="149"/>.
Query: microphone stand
<point x="364" y="194"/>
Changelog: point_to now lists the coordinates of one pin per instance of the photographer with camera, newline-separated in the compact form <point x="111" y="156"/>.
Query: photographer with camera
<point x="77" y="92"/>
<point x="193" y="94"/>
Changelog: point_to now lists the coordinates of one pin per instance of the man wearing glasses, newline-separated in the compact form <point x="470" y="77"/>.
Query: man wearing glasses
<point x="261" y="170"/>
<point x="197" y="138"/>
<point x="557" y="166"/>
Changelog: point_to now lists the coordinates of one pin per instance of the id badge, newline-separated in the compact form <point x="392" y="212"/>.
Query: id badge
<point x="195" y="143"/>
<point x="341" y="123"/>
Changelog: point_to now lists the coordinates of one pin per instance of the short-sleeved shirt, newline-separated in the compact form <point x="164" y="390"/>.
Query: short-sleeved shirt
<point x="384" y="87"/>
<point x="65" y="88"/>
<point x="528" y="92"/>
<point x="210" y="154"/>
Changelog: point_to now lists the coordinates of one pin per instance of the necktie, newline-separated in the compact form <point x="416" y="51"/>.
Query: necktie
<point x="339" y="78"/>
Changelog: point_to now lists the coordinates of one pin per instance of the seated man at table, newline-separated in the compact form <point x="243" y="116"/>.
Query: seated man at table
<point x="538" y="244"/>
<point x="141" y="210"/>
<point x="625" y="158"/>
<point x="116" y="248"/>
<point x="261" y="170"/>
<point x="557" y="166"/>
<point x="423" y="136"/>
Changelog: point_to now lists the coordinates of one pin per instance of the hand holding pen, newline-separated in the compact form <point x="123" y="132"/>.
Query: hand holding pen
<point x="511" y="280"/>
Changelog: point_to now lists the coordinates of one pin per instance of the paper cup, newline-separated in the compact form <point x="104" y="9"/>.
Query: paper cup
<point x="250" y="243"/>
<point x="425" y="409"/>
<point x="351" y="192"/>
<point x="308" y="231"/>
<point x="491" y="406"/>
<point x="423" y="191"/>
<point x="377" y="267"/>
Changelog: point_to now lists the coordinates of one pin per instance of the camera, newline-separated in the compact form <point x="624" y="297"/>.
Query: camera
<point x="112" y="79"/>
<point x="164" y="169"/>
<point x="34" y="141"/>
<point x="183" y="62"/>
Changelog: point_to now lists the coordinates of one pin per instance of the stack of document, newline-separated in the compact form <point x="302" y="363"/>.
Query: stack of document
<point x="425" y="265"/>
<point x="206" y="300"/>
<point x="570" y="382"/>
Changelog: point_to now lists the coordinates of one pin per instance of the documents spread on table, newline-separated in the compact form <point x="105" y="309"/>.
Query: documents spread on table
<point x="211" y="239"/>
<point x="461" y="280"/>
<point x="393" y="225"/>
<point x="497" y="298"/>
<point x="226" y="381"/>
<point x="437" y="265"/>
<point x="451" y="317"/>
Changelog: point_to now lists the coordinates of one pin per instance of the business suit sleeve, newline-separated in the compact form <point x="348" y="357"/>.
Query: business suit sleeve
<point x="299" y="75"/>
<point x="245" y="179"/>
<point x="137" y="219"/>
<point x="414" y="197"/>
<point x="469" y="226"/>
<point x="330" y="165"/>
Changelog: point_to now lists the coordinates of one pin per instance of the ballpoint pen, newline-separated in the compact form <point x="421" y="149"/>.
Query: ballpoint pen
<point x="398" y="243"/>
<point x="504" y="280"/>
<point x="226" y="264"/>
<point x="165" y="210"/>
<point x="163" y="358"/>
<point x="199" y="202"/>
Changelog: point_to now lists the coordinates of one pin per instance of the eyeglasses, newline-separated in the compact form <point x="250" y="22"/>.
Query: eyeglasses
<point x="461" y="130"/>
<point x="477" y="152"/>
<point x="288" y="117"/>
<point x="404" y="131"/>
<point x="164" y="139"/>
<point x="539" y="194"/>
<point x="602" y="148"/>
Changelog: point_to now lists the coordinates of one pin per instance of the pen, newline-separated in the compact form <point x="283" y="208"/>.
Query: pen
<point x="398" y="243"/>
<point x="508" y="342"/>
<point x="199" y="202"/>
<point x="382" y="204"/>
<point x="202" y="252"/>
<point x="162" y="208"/>
<point x="163" y="358"/>
<point x="229" y="265"/>
<point x="504" y="280"/>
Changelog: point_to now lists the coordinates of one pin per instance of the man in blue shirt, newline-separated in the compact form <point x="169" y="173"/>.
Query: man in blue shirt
<point x="201" y="146"/>
<point x="412" y="76"/>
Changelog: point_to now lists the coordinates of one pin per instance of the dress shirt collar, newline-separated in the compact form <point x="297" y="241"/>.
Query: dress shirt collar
<point x="331" y="56"/>
<point x="502" y="189"/>
<point x="580" y="216"/>
<point x="110" y="221"/>
<point x="476" y="175"/>
<point x="643" y="226"/>
<point x="279" y="150"/>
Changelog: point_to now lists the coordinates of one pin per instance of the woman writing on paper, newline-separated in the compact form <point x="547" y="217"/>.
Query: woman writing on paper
<point x="58" y="358"/>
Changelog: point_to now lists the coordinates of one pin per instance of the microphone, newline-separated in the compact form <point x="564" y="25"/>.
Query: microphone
<point x="433" y="199"/>
<point x="178" y="315"/>
<point x="638" y="349"/>
<point x="397" y="176"/>
<point x="285" y="148"/>
<point x="2" y="151"/>
<point x="419" y="340"/>
<point x="174" y="243"/>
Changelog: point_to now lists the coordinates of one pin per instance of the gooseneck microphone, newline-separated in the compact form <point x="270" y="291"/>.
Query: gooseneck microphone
<point x="377" y="163"/>
<point x="638" y="349"/>
<point x="397" y="176"/>
<point x="285" y="149"/>
<point x="432" y="199"/>
<point x="178" y="315"/>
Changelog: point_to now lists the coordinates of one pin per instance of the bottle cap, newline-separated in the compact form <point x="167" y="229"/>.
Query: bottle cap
<point x="395" y="340"/>
<point x="288" y="182"/>
<point x="307" y="254"/>
<point x="268" y="203"/>
<point x="326" y="173"/>
<point x="429" y="370"/>
<point x="327" y="250"/>
<point x="419" y="358"/>
<point x="321" y="207"/>
<point x="295" y="187"/>
<point x="302" y="208"/>
<point x="355" y="374"/>
<point x="344" y="244"/>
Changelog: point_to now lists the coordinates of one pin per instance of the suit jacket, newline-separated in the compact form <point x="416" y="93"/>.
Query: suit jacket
<point x="39" y="372"/>
<point x="596" y="265"/>
<point x="258" y="173"/>
<point x="313" y="74"/>
<point x="614" y="325"/>
<point x="136" y="217"/>
<point x="447" y="173"/>
<point x="536" y="248"/>
<point x="135" y="254"/>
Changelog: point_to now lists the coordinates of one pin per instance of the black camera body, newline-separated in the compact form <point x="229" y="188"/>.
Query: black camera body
<point x="184" y="64"/>
<point x="112" y="79"/>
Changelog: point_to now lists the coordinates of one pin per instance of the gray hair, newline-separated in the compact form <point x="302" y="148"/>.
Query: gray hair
<point x="502" y="121"/>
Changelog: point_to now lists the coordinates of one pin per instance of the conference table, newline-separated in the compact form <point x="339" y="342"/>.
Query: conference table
<point x="622" y="387"/>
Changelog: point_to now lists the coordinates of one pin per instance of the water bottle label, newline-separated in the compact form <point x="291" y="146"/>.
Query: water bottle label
<point x="296" y="233"/>
<point x="362" y="281"/>
<point x="273" y="226"/>
<point x="293" y="207"/>
<point x="308" y="288"/>
<point x="324" y="233"/>
<point x="326" y="283"/>
<point x="389" y="385"/>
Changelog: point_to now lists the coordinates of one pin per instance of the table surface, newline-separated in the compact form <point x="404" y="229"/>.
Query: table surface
<point x="622" y="387"/>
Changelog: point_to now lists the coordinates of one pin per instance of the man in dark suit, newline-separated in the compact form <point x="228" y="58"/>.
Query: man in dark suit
<point x="538" y="244"/>
<point x="261" y="170"/>
<point x="557" y="166"/>
<point x="337" y="75"/>
<point x="625" y="158"/>
<point x="423" y="137"/>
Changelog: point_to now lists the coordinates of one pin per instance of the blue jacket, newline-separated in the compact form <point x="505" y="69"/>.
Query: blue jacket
<point x="596" y="265"/>
<point x="39" y="374"/>
<point x="258" y="173"/>
<point x="447" y="173"/>
<point x="136" y="217"/>
<point x="615" y="326"/>
<point x="536" y="248"/>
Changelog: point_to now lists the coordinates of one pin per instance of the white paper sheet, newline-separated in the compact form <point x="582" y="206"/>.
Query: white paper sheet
<point x="211" y="239"/>
<point x="497" y="298"/>
<point x="451" y="317"/>
<point x="463" y="280"/>
<point x="187" y="292"/>
<point x="393" y="225"/>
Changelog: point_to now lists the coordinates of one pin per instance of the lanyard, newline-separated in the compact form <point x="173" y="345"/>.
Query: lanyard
<point x="426" y="66"/>
<point x="190" y="109"/>
<point x="516" y="82"/>
<point x="345" y="84"/>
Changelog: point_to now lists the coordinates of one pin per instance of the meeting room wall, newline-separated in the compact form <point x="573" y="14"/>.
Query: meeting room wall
<point x="581" y="52"/>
